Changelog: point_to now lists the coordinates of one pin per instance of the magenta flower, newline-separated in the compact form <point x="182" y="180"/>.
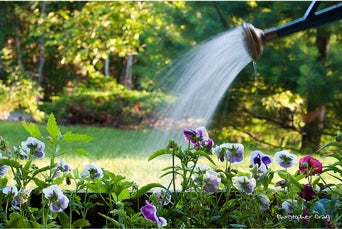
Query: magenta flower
<point x="149" y="211"/>
<point x="310" y="166"/>
<point x="199" y="137"/>
<point x="260" y="160"/>
<point x="307" y="193"/>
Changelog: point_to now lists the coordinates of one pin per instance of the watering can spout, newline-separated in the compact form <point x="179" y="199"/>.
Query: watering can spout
<point x="255" y="38"/>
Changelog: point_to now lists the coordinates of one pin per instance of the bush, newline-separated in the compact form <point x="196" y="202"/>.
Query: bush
<point x="101" y="100"/>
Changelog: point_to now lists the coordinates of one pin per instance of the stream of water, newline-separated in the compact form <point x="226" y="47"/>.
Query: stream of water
<point x="203" y="76"/>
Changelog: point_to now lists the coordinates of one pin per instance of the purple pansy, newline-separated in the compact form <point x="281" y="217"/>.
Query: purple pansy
<point x="307" y="193"/>
<point x="211" y="181"/>
<point x="288" y="205"/>
<point x="149" y="211"/>
<point x="58" y="201"/>
<point x="232" y="152"/>
<point x="61" y="167"/>
<point x="3" y="168"/>
<point x="260" y="160"/>
<point x="263" y="202"/>
<point x="199" y="137"/>
<point x="245" y="184"/>
<point x="92" y="171"/>
<point x="285" y="159"/>
<point x="32" y="146"/>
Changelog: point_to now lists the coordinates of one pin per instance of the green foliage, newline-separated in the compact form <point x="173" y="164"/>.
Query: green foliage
<point x="103" y="101"/>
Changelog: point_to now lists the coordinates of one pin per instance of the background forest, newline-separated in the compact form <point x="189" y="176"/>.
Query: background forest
<point x="102" y="63"/>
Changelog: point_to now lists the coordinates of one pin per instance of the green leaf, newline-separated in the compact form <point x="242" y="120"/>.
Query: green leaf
<point x="294" y="180"/>
<point x="32" y="129"/>
<point x="17" y="221"/>
<point x="159" y="153"/>
<point x="64" y="219"/>
<point x="337" y="144"/>
<point x="146" y="188"/>
<point x="39" y="183"/>
<point x="11" y="163"/>
<point x="204" y="154"/>
<point x="52" y="127"/>
<point x="81" y="151"/>
<point x="70" y="137"/>
<point x="3" y="182"/>
<point x="116" y="223"/>
<point x="81" y="223"/>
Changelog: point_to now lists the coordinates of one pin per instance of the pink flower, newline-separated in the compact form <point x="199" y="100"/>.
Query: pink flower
<point x="310" y="166"/>
<point x="198" y="137"/>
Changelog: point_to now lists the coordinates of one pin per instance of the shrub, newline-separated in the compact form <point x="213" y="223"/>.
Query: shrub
<point x="101" y="100"/>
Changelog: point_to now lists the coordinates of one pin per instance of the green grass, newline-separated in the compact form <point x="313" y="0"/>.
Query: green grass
<point x="120" y="151"/>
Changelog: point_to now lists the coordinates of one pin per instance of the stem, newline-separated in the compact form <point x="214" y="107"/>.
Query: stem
<point x="173" y="171"/>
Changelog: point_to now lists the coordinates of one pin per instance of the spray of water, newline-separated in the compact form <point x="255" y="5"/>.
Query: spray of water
<point x="203" y="76"/>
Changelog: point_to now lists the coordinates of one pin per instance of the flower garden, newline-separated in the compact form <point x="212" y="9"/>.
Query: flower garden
<point x="198" y="194"/>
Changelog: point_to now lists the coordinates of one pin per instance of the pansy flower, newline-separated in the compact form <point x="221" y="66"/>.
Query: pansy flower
<point x="149" y="211"/>
<point x="232" y="152"/>
<point x="245" y="184"/>
<point x="307" y="193"/>
<point x="211" y="181"/>
<point x="263" y="202"/>
<point x="32" y="146"/>
<point x="61" y="167"/>
<point x="10" y="190"/>
<point x="3" y="168"/>
<point x="260" y="160"/>
<point x="199" y="137"/>
<point x="310" y="166"/>
<point x="58" y="201"/>
<point x="288" y="206"/>
<point x="285" y="159"/>
<point x="92" y="171"/>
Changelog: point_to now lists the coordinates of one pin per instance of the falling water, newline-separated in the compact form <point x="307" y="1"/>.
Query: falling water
<point x="203" y="76"/>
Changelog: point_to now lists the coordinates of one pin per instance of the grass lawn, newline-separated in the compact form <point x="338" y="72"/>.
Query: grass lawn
<point x="120" y="151"/>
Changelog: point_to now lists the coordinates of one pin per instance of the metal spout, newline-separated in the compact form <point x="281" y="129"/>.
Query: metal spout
<point x="256" y="38"/>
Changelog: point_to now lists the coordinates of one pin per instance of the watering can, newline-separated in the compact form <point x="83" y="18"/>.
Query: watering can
<point x="256" y="38"/>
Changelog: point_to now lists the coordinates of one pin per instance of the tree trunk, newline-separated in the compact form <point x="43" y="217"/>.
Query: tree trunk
<point x="42" y="48"/>
<point x="126" y="78"/>
<point x="106" y="69"/>
<point x="2" y="35"/>
<point x="314" y="119"/>
<point x="17" y="43"/>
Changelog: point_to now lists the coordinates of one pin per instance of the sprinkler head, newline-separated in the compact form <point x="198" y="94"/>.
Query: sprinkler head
<point x="256" y="38"/>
